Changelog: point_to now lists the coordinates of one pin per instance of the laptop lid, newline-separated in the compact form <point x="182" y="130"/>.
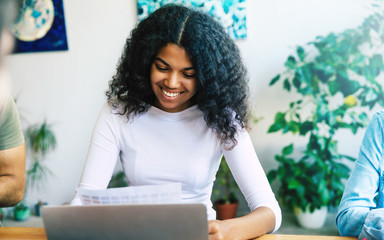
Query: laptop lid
<point x="144" y="222"/>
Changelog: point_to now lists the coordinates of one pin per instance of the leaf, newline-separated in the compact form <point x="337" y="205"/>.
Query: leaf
<point x="324" y="72"/>
<point x="324" y="193"/>
<point x="271" y="175"/>
<point x="306" y="127"/>
<point x="369" y="73"/>
<point x="376" y="61"/>
<point x="293" y="127"/>
<point x="301" y="53"/>
<point x="333" y="87"/>
<point x="293" y="184"/>
<point x="345" y="86"/>
<point x="291" y="62"/>
<point x="364" y="118"/>
<point x="296" y="81"/>
<point x="274" y="80"/>
<point x="280" y="118"/>
<point x="288" y="149"/>
<point x="287" y="85"/>
<point x="274" y="128"/>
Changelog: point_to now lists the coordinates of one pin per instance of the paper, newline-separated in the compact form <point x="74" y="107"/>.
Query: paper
<point x="151" y="194"/>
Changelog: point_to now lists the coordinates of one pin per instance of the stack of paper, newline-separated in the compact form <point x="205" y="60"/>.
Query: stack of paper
<point x="153" y="194"/>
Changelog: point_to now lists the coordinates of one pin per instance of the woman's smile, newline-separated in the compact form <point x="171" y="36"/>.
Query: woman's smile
<point x="171" y="95"/>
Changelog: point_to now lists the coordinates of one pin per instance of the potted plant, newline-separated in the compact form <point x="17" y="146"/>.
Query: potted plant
<point x="335" y="81"/>
<point x="226" y="202"/>
<point x="40" y="140"/>
<point x="21" y="212"/>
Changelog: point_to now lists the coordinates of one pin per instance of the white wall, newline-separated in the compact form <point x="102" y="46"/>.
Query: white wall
<point x="68" y="87"/>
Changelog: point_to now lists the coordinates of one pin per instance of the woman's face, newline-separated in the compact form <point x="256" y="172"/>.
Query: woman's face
<point x="173" y="79"/>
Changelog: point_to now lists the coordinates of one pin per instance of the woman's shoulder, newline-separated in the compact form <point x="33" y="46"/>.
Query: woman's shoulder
<point x="113" y="113"/>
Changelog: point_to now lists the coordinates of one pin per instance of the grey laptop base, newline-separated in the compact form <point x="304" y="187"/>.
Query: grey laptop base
<point x="144" y="222"/>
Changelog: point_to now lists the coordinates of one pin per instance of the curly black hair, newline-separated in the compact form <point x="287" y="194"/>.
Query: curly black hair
<point x="221" y="77"/>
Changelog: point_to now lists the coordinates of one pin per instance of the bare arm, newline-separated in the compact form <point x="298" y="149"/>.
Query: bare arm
<point x="12" y="175"/>
<point x="256" y="223"/>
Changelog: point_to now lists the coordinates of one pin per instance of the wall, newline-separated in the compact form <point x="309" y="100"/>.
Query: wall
<point x="68" y="87"/>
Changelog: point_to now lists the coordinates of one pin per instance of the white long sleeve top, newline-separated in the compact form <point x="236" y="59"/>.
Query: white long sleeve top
<point x="158" y="147"/>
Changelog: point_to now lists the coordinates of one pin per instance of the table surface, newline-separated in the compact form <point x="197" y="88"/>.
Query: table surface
<point x="39" y="233"/>
<point x="22" y="233"/>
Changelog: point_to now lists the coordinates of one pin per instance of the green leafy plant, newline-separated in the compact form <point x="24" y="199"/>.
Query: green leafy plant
<point x="40" y="140"/>
<point x="336" y="81"/>
<point x="225" y="185"/>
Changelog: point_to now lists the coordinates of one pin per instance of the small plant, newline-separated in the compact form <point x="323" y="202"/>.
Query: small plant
<point x="40" y="140"/>
<point x="21" y="212"/>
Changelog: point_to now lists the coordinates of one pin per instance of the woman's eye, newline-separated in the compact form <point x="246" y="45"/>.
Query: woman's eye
<point x="189" y="75"/>
<point x="161" y="68"/>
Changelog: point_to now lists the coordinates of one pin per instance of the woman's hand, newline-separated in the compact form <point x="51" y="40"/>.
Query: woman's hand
<point x="218" y="230"/>
<point x="256" y="223"/>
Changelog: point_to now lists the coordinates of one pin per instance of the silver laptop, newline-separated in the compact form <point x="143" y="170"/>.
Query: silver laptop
<point x="144" y="222"/>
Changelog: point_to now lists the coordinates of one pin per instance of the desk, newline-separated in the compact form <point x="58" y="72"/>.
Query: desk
<point x="25" y="233"/>
<point x="22" y="233"/>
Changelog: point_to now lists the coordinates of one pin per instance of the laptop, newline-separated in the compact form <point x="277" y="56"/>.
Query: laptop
<point x="108" y="222"/>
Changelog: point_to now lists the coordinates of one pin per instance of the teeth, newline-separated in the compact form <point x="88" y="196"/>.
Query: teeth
<point x="170" y="94"/>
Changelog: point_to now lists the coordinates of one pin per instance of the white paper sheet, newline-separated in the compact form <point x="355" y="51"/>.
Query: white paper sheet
<point x="152" y="194"/>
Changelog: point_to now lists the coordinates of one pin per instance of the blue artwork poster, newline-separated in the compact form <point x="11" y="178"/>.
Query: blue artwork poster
<point x="230" y="13"/>
<point x="41" y="27"/>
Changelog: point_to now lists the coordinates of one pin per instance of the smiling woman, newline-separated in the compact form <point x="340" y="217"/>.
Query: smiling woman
<point x="182" y="86"/>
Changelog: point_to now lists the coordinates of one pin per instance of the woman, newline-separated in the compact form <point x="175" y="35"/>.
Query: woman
<point x="177" y="103"/>
<point x="361" y="212"/>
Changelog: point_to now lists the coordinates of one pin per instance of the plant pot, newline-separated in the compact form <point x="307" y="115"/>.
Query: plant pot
<point x="226" y="210"/>
<point x="21" y="214"/>
<point x="312" y="220"/>
<point x="38" y="206"/>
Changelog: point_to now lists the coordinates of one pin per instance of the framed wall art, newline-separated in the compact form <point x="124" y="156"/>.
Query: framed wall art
<point x="41" y="27"/>
<point x="230" y="13"/>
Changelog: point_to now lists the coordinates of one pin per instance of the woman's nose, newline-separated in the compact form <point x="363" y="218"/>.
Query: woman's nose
<point x="172" y="80"/>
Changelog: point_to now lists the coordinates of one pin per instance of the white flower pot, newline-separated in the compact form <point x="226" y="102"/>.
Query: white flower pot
<point x="312" y="220"/>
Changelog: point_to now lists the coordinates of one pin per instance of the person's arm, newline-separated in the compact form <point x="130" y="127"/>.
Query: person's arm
<point x="12" y="175"/>
<point x="102" y="154"/>
<point x="362" y="186"/>
<point x="265" y="213"/>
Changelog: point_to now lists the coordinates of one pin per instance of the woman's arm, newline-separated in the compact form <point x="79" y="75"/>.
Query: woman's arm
<point x="362" y="186"/>
<point x="102" y="154"/>
<point x="265" y="213"/>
